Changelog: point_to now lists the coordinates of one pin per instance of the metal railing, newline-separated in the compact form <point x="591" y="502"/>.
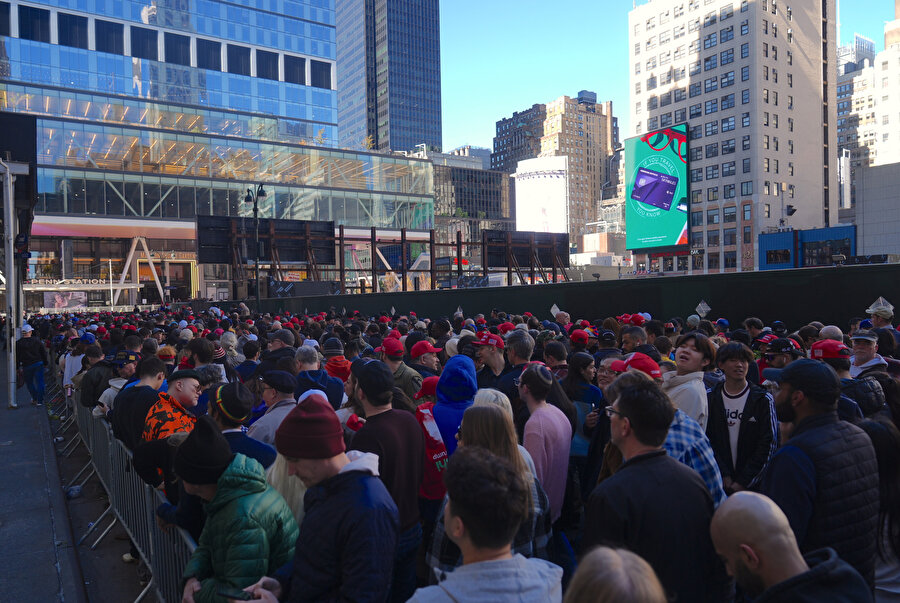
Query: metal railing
<point x="132" y="503"/>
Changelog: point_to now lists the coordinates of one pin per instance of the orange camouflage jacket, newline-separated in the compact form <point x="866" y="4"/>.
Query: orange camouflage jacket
<point x="165" y="418"/>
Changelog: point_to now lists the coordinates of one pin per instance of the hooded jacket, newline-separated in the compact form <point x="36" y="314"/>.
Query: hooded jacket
<point x="332" y="386"/>
<point x="270" y="358"/>
<point x="516" y="580"/>
<point x="455" y="393"/>
<point x="348" y="538"/>
<point x="688" y="393"/>
<point x="249" y="532"/>
<point x="339" y="367"/>
<point x="95" y="382"/>
<point x="829" y="579"/>
<point x="109" y="394"/>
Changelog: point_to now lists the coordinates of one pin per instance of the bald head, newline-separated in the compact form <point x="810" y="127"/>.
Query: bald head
<point x="752" y="534"/>
<point x="831" y="332"/>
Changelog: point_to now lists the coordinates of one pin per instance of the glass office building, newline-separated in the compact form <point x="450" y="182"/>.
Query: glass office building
<point x="150" y="113"/>
<point x="389" y="74"/>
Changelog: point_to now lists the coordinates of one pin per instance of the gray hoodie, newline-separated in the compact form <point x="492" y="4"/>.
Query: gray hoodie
<point x="516" y="580"/>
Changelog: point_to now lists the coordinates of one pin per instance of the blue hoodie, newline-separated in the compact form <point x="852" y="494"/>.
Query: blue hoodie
<point x="455" y="393"/>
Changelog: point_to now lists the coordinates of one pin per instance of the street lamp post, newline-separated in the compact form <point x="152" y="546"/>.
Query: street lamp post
<point x="255" y="199"/>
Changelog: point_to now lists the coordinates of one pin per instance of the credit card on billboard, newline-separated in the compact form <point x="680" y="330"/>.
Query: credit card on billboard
<point x="654" y="188"/>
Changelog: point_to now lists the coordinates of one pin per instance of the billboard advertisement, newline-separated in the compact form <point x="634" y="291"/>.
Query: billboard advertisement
<point x="542" y="194"/>
<point x="65" y="300"/>
<point x="656" y="189"/>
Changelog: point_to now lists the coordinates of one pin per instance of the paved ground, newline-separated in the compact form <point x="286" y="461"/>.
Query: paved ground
<point x="38" y="560"/>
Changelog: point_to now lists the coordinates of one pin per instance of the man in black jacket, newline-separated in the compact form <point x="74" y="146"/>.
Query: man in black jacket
<point x="825" y="478"/>
<point x="281" y="345"/>
<point x="654" y="505"/>
<point x="131" y="405"/>
<point x="754" y="538"/>
<point x="742" y="427"/>
<point x="31" y="357"/>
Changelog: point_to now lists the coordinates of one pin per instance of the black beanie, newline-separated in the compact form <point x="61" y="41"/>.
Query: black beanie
<point x="204" y="455"/>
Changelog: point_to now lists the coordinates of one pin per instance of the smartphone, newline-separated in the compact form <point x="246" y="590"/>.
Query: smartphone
<point x="229" y="592"/>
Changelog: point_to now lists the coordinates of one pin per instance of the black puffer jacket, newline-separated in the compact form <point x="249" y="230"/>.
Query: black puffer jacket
<point x="866" y="392"/>
<point x="828" y="579"/>
<point x="95" y="382"/>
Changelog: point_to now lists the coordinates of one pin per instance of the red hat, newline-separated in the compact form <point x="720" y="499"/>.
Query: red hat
<point x="429" y="387"/>
<point x="640" y="362"/>
<point x="528" y="314"/>
<point x="311" y="431"/>
<point x="480" y="321"/>
<point x="423" y="347"/>
<point x="391" y="347"/>
<point x="192" y="329"/>
<point x="411" y="313"/>
<point x="584" y="324"/>
<point x="767" y="338"/>
<point x="829" y="348"/>
<point x="488" y="338"/>
<point x="624" y="318"/>
<point x="384" y="319"/>
<point x="101" y="330"/>
<point x="505" y="327"/>
<point x="295" y="320"/>
<point x="393" y="334"/>
<point x="579" y="336"/>
<point x="637" y="320"/>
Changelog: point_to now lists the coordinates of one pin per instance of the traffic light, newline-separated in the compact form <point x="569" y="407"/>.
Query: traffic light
<point x="790" y="210"/>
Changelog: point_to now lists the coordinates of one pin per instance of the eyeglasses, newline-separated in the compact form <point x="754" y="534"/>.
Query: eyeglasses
<point x="602" y="370"/>
<point x="610" y="411"/>
<point x="677" y="140"/>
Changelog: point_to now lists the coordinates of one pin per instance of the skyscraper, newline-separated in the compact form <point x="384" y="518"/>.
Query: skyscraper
<point x="755" y="82"/>
<point x="388" y="74"/>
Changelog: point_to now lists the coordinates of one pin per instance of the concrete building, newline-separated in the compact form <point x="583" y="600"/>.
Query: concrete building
<point x="851" y="56"/>
<point x="388" y="74"/>
<point x="877" y="210"/>
<point x="518" y="137"/>
<point x="743" y="74"/>
<point x="480" y="152"/>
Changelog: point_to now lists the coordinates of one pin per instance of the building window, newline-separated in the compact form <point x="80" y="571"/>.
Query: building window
<point x="697" y="175"/>
<point x="711" y="106"/>
<point x="294" y="70"/>
<point x="748" y="237"/>
<point x="729" y="236"/>
<point x="728" y="168"/>
<point x="712" y="171"/>
<point x="712" y="194"/>
<point x="679" y="94"/>
<point x="745" y="27"/>
<point x="767" y="189"/>
<point x="730" y="256"/>
<point x="745" y="96"/>
<point x="696" y="153"/>
<point x="712" y="150"/>
<point x="728" y="146"/>
<point x="72" y="30"/>
<point x="238" y="59"/>
<point x="727" y="79"/>
<point x="727" y="101"/>
<point x="109" y="37"/>
<point x="710" y="84"/>
<point x="748" y="212"/>
<point x="696" y="132"/>
<point x="694" y="68"/>
<point x="4" y="19"/>
<point x="267" y="65"/>
<point x="34" y="24"/>
<point x="697" y="239"/>
<point x="697" y="217"/>
<point x="726" y="56"/>
<point x="728" y="124"/>
<point x="745" y="120"/>
<point x="144" y="43"/>
<point x="726" y="34"/>
<point x="712" y="216"/>
<point x="745" y="165"/>
<point x="709" y="41"/>
<point x="680" y="116"/>
<point x="747" y="188"/>
<point x="745" y="50"/>
<point x="728" y="191"/>
<point x="745" y="73"/>
<point x="729" y="214"/>
<point x="697" y="197"/>
<point x="696" y="110"/>
<point x="209" y="54"/>
<point x="665" y="120"/>
<point x="178" y="49"/>
<point x="712" y="260"/>
<point x="712" y="240"/>
<point x="710" y="63"/>
<point x="767" y="211"/>
<point x="711" y="128"/>
<point x="695" y="89"/>
<point x="745" y="143"/>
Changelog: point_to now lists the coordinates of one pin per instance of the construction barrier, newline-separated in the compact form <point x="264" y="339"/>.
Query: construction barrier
<point x="132" y="503"/>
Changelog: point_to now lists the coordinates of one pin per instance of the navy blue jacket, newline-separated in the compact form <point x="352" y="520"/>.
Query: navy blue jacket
<point x="243" y="444"/>
<point x="345" y="551"/>
<point x="332" y="386"/>
<point x="828" y="579"/>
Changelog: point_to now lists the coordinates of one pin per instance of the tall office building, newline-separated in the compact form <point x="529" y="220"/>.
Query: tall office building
<point x="755" y="82"/>
<point x="850" y="57"/>
<point x="581" y="129"/>
<point x="389" y="74"/>
<point x="150" y="114"/>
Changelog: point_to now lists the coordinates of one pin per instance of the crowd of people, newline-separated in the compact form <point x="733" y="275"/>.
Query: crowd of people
<point x="499" y="456"/>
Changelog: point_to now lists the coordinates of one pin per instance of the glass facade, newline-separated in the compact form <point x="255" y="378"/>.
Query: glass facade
<point x="389" y="76"/>
<point x="173" y="108"/>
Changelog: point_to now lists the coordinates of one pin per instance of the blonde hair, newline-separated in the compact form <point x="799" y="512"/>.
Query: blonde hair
<point x="290" y="488"/>
<point x="607" y="575"/>
<point x="493" y="397"/>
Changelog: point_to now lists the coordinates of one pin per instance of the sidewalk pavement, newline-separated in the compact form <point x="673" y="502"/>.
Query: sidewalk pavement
<point x="38" y="561"/>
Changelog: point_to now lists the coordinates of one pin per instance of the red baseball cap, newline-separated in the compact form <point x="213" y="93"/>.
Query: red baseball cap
<point x="384" y="320"/>
<point x="488" y="338"/>
<point x="637" y="320"/>
<point x="640" y="362"/>
<point x="480" y="321"/>
<point x="829" y="348"/>
<point x="393" y="334"/>
<point x="579" y="336"/>
<point x="767" y="338"/>
<point x="528" y="314"/>
<point x="391" y="347"/>
<point x="429" y="387"/>
<point x="505" y="327"/>
<point x="423" y="347"/>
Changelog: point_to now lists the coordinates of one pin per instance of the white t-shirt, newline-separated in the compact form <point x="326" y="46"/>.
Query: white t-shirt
<point x="734" y="412"/>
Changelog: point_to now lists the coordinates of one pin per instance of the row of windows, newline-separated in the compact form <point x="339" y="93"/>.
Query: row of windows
<point x="34" y="24"/>
<point x="729" y="237"/>
<point x="729" y="215"/>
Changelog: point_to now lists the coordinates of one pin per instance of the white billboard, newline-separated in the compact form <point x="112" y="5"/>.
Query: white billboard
<point x="542" y="194"/>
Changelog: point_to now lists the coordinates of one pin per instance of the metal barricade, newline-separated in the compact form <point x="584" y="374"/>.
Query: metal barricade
<point x="130" y="499"/>
<point x="171" y="552"/>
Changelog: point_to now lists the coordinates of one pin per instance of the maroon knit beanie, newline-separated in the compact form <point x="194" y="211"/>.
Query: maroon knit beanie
<point x="311" y="431"/>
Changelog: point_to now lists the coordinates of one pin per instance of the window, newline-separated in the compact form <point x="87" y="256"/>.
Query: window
<point x="727" y="101"/>
<point x="680" y="115"/>
<point x="652" y="102"/>
<point x="747" y="188"/>
<point x="109" y="37"/>
<point x="726" y="56"/>
<point x="730" y="256"/>
<point x="766" y="141"/>
<point x="665" y="99"/>
<point x="710" y="84"/>
<point x="745" y="73"/>
<point x="651" y="63"/>
<point x="712" y="172"/>
<point x="697" y="175"/>
<point x="637" y="68"/>
<point x="267" y="65"/>
<point x="697" y="217"/>
<point x="709" y="41"/>
<point x="209" y="54"/>
<point x="748" y="237"/>
<point x="651" y="82"/>
<point x="745" y="50"/>
<point x="728" y="191"/>
<point x="712" y="240"/>
<point x="767" y="188"/>
<point x="637" y="48"/>
<point x="653" y="123"/>
<point x="765" y="26"/>
<point x="697" y="240"/>
<point x="745" y="165"/>
<point x="745" y="120"/>
<point x="4" y="19"/>
<point x="678" y="31"/>
<point x="697" y="197"/>
<point x="745" y="143"/>
<point x="729" y="237"/>
<point x="712" y="150"/>
<point x="728" y="146"/>
<point x="711" y="128"/>
<point x="728" y="169"/>
<point x="679" y="94"/>
<point x="712" y="194"/>
<point x="665" y="120"/>
<point x="72" y="30"/>
<point x="178" y="49"/>
<point x="694" y="68"/>
<point x="694" y="25"/>
<point x="144" y="44"/>
<point x="709" y="19"/>
<point x="767" y="211"/>
<point x="696" y="153"/>
<point x="320" y="74"/>
<point x="748" y="212"/>
<point x="710" y="63"/>
<point x="765" y="118"/>
<point x="238" y="59"/>
<point x="728" y="79"/>
<point x="765" y="50"/>
<point x="726" y="34"/>
<point x="745" y="5"/>
<point x="726" y="12"/>
<point x="696" y="132"/>
<point x="745" y="27"/>
<point x="729" y="214"/>
<point x="711" y="106"/>
<point x="695" y="89"/>
<point x="765" y="95"/>
<point x="745" y="96"/>
<point x="294" y="70"/>
<point x="712" y="260"/>
<point x="790" y="168"/>
<point x="34" y="24"/>
<point x="728" y="124"/>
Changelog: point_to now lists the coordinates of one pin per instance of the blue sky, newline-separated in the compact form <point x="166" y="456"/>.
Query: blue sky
<point x="500" y="56"/>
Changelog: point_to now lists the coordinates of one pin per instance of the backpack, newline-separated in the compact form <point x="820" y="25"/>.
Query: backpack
<point x="436" y="456"/>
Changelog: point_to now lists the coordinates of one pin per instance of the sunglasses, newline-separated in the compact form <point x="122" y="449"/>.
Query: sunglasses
<point x="610" y="411"/>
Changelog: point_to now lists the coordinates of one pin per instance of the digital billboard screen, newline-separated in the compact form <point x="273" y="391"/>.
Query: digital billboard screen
<point x="542" y="194"/>
<point x="656" y="189"/>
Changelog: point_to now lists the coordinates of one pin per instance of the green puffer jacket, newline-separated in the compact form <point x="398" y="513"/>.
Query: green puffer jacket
<point x="250" y="532"/>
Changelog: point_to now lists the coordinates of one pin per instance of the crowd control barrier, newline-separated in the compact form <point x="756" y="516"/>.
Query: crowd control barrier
<point x="132" y="504"/>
